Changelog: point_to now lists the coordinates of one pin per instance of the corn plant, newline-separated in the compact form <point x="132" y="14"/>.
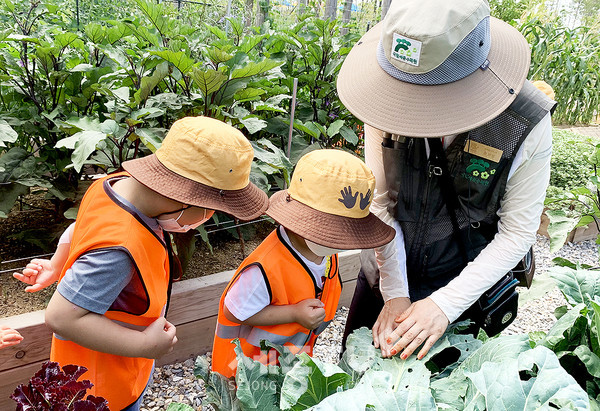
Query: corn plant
<point x="567" y="59"/>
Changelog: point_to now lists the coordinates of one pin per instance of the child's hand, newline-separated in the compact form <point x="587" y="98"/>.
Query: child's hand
<point x="310" y="313"/>
<point x="38" y="274"/>
<point x="9" y="337"/>
<point x="160" y="338"/>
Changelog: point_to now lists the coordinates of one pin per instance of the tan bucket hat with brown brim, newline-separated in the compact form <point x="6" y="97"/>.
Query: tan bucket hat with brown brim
<point x="328" y="202"/>
<point x="434" y="68"/>
<point x="206" y="163"/>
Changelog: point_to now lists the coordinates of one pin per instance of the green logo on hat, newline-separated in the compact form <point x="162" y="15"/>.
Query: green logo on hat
<point x="402" y="44"/>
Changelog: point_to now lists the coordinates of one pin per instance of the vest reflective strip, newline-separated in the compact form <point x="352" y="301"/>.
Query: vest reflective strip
<point x="254" y="335"/>
<point x="321" y="327"/>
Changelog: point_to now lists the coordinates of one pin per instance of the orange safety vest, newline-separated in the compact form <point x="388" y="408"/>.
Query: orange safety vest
<point x="103" y="224"/>
<point x="288" y="281"/>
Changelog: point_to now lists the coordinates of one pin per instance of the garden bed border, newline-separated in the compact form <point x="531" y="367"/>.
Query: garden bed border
<point x="194" y="307"/>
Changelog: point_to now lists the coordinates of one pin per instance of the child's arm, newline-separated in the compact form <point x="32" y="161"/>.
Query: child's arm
<point x="308" y="313"/>
<point x="40" y="273"/>
<point x="9" y="337"/>
<point x="97" y="332"/>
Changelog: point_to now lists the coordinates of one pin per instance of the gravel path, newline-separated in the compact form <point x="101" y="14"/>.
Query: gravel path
<point x="176" y="383"/>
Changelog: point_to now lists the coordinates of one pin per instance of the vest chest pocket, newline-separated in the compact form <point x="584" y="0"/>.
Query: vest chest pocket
<point x="479" y="183"/>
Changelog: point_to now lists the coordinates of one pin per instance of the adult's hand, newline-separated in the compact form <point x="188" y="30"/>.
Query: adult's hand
<point x="422" y="322"/>
<point x="385" y="323"/>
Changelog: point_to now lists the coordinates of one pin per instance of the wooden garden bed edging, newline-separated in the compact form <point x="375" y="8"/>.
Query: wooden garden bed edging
<point x="194" y="307"/>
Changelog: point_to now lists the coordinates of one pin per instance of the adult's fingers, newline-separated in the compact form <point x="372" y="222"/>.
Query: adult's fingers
<point x="414" y="344"/>
<point x="427" y="346"/>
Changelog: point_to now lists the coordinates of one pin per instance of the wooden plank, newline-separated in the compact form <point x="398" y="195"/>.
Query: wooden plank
<point x="11" y="378"/>
<point x="35" y="346"/>
<point x="193" y="339"/>
<point x="199" y="297"/>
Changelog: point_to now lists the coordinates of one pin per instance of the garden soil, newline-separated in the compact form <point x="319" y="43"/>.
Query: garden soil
<point x="36" y="215"/>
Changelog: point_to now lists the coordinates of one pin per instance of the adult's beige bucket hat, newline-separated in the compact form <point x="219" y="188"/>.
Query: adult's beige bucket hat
<point x="206" y="163"/>
<point x="328" y="202"/>
<point x="434" y="68"/>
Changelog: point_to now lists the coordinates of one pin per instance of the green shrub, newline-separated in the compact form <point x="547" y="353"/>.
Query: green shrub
<point x="569" y="167"/>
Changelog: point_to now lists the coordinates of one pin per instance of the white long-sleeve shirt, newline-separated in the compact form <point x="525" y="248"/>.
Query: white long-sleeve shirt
<point x="519" y="213"/>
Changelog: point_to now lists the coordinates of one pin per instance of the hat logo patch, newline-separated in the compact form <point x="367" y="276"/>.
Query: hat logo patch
<point x="349" y="200"/>
<point x="406" y="49"/>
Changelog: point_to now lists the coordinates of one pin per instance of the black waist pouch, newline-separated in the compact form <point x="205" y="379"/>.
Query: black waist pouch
<point x="498" y="305"/>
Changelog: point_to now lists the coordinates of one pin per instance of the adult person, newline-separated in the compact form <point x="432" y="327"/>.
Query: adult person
<point x="108" y="312"/>
<point x="441" y="84"/>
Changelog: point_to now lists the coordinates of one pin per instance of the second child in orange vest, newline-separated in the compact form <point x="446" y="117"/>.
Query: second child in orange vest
<point x="287" y="290"/>
<point x="108" y="312"/>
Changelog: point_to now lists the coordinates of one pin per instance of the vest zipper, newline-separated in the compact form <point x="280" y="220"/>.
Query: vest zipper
<point x="327" y="269"/>
<point x="421" y="226"/>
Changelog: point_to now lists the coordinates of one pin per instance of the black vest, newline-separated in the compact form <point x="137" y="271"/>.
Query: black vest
<point x="432" y="252"/>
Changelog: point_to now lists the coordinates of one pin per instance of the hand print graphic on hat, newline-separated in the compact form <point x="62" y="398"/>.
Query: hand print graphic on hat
<point x="328" y="202"/>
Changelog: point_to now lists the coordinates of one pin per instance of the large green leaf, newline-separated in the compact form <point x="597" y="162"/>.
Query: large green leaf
<point x="95" y="32"/>
<point x="148" y="83"/>
<point x="595" y="328"/>
<point x="275" y="157"/>
<point x="253" y="124"/>
<point x="578" y="285"/>
<point x="349" y="135"/>
<point x="334" y="127"/>
<point x="257" y="386"/>
<point x="535" y="380"/>
<point x="9" y="192"/>
<point x="540" y="286"/>
<point x="360" y="353"/>
<point x="556" y="335"/>
<point x="248" y="94"/>
<point x="495" y="350"/>
<point x="258" y="178"/>
<point x="309" y="382"/>
<point x="220" y="391"/>
<point x="7" y="134"/>
<point x="559" y="228"/>
<point x="376" y="391"/>
<point x="255" y="68"/>
<point x="208" y="80"/>
<point x="85" y="143"/>
<point x="151" y="137"/>
<point x="178" y="58"/>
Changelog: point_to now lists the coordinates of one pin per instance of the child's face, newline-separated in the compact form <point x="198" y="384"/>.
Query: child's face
<point x="321" y="250"/>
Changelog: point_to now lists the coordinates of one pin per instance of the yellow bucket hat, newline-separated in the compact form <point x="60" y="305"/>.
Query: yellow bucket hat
<point x="328" y="202"/>
<point x="206" y="163"/>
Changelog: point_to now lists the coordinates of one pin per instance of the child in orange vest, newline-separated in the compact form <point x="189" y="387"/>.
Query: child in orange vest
<point x="287" y="290"/>
<point x="108" y="313"/>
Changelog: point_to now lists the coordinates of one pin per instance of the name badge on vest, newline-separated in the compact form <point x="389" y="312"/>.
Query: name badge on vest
<point x="483" y="151"/>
